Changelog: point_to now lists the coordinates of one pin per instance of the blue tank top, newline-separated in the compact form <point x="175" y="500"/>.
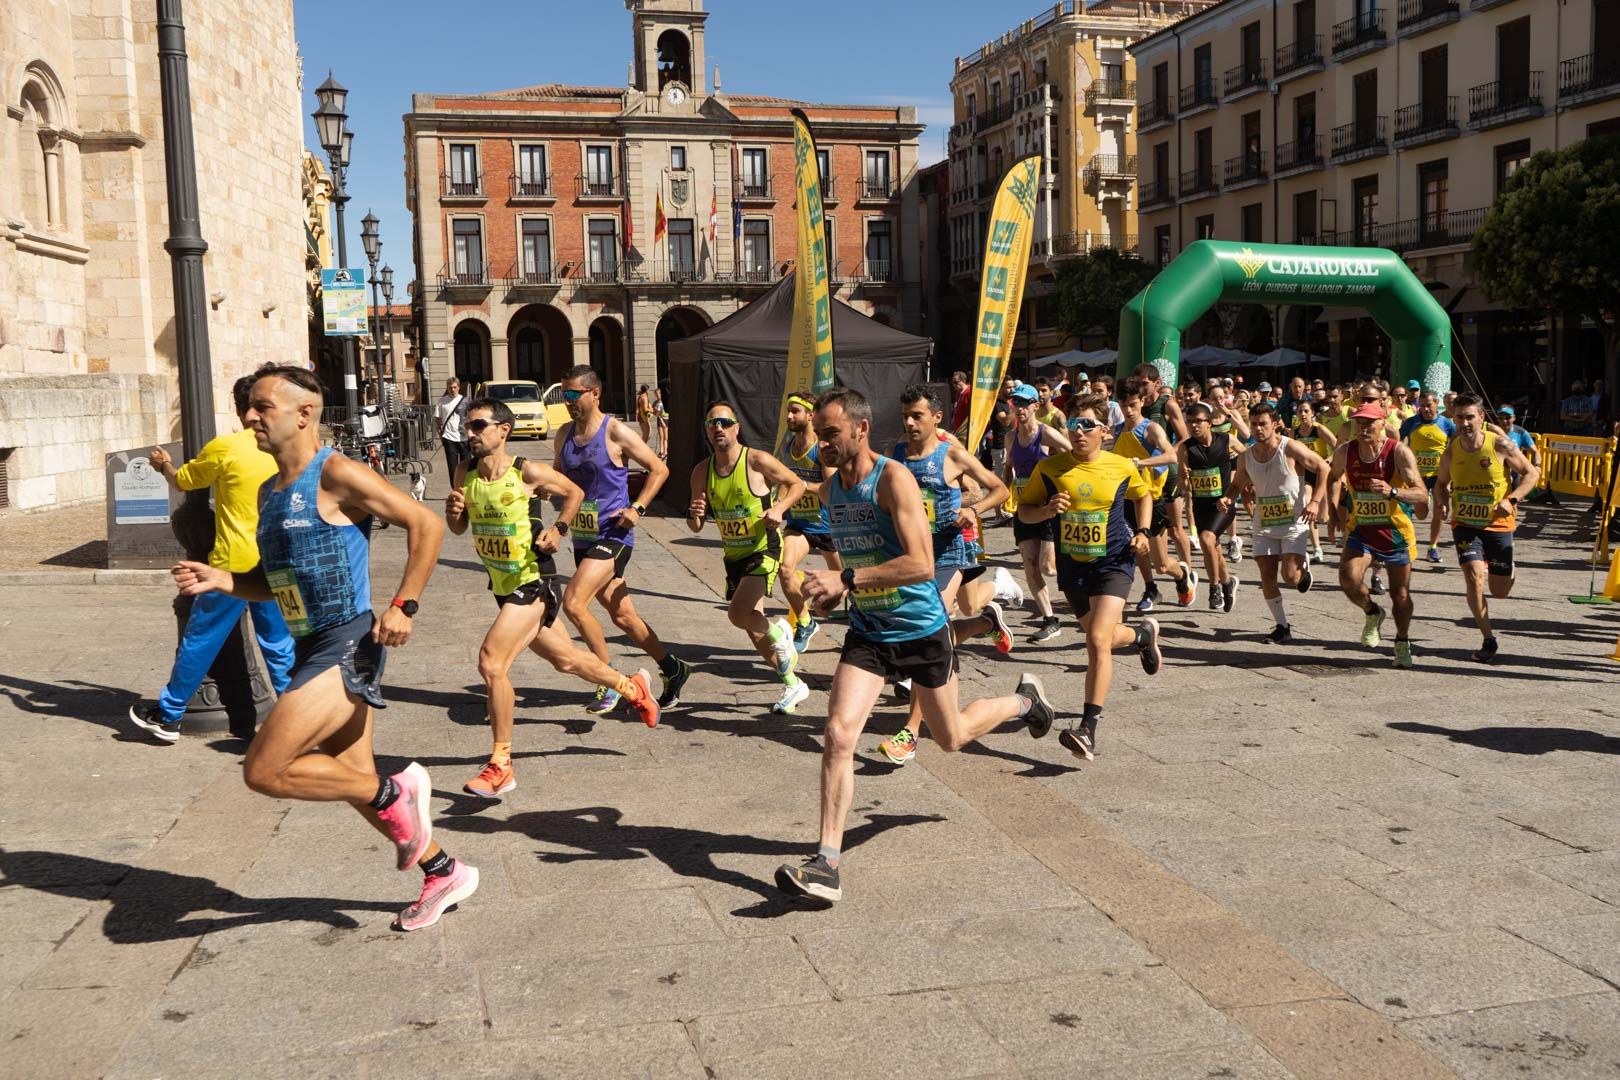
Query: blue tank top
<point x="942" y="500"/>
<point x="319" y="573"/>
<point x="606" y="487"/>
<point x="807" y="516"/>
<point x="864" y="535"/>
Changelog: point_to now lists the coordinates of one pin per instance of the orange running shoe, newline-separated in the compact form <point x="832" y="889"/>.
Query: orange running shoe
<point x="493" y="780"/>
<point x="644" y="702"/>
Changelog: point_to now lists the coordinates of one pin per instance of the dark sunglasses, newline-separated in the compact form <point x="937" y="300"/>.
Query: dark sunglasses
<point x="575" y="395"/>
<point x="476" y="426"/>
<point x="721" y="422"/>
<point x="1084" y="424"/>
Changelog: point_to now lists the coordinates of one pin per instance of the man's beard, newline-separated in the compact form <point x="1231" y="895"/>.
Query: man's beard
<point x="480" y="451"/>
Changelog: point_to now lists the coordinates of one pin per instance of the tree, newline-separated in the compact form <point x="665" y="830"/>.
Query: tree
<point x="1093" y="289"/>
<point x="1549" y="242"/>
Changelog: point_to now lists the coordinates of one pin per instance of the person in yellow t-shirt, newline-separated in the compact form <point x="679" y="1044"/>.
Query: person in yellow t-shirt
<point x="235" y="468"/>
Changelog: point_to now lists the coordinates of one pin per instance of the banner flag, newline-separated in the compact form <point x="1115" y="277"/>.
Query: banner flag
<point x="659" y="221"/>
<point x="1006" y="258"/>
<point x="810" y="341"/>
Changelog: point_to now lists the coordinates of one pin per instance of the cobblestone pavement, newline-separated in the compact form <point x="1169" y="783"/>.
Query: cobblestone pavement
<point x="1283" y="863"/>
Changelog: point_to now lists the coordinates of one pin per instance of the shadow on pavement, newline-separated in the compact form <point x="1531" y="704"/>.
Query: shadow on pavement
<point x="1520" y="740"/>
<point x="90" y="702"/>
<point x="156" y="905"/>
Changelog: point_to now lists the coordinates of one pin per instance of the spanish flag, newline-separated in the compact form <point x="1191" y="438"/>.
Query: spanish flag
<point x="659" y="224"/>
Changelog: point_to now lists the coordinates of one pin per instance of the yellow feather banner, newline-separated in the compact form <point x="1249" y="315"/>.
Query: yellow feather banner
<point x="1006" y="257"/>
<point x="810" y="341"/>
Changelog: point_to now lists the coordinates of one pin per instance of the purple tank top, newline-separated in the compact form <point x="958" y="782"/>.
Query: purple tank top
<point x="1025" y="458"/>
<point x="606" y="488"/>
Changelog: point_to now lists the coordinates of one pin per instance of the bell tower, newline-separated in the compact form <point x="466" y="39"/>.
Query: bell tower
<point x="668" y="45"/>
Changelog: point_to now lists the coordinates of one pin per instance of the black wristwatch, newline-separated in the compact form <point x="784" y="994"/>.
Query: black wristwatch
<point x="848" y="578"/>
<point x="561" y="527"/>
<point x="1513" y="500"/>
<point x="409" y="607"/>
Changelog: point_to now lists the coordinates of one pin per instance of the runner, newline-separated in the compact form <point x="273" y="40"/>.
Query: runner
<point x="897" y="626"/>
<point x="1288" y="507"/>
<point x="1148" y="448"/>
<point x="1484" y="509"/>
<point x="1378" y="527"/>
<point x="1227" y="410"/>
<point x="1160" y="407"/>
<point x="1427" y="434"/>
<point x="1099" y="541"/>
<point x="501" y="498"/>
<point x="314" y="523"/>
<point x="747" y="493"/>
<point x="1206" y="462"/>
<point x="1028" y="443"/>
<point x="1322" y="442"/>
<point x="806" y="527"/>
<point x="940" y="466"/>
<point x="1045" y="411"/>
<point x="235" y="467"/>
<point x="593" y="451"/>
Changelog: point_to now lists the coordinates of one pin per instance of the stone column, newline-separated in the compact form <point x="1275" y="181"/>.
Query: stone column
<point x="52" y="143"/>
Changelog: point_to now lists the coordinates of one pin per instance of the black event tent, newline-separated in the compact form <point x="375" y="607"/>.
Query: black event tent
<point x="741" y="359"/>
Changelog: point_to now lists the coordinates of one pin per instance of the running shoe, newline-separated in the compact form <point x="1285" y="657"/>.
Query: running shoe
<point x="1081" y="740"/>
<point x="605" y="701"/>
<point x="1377" y="586"/>
<point x="1186" y="585"/>
<point x="1008" y="592"/>
<point x="1149" y="650"/>
<point x="902" y="689"/>
<point x="791" y="697"/>
<point x="1281" y="634"/>
<point x="1486" y="653"/>
<point x="674" y="684"/>
<point x="1317" y="556"/>
<point x="1433" y="555"/>
<point x="1217" y="601"/>
<point x="439" y="895"/>
<point x="1306" y="579"/>
<point x="644" y="702"/>
<point x="1369" y="629"/>
<point x="900" y="747"/>
<point x="1403" y="653"/>
<point x="998" y="631"/>
<point x="1237" y="551"/>
<point x="1041" y="715"/>
<point x="813" y="877"/>
<point x="801" y="637"/>
<point x="1229" y="590"/>
<point x="149" y="718"/>
<point x="1150" y="596"/>
<point x="495" y="779"/>
<point x="408" y="818"/>
<point x="782" y="651"/>
<point x="1049" y="629"/>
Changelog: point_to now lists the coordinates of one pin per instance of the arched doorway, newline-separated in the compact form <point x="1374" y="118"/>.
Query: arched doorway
<point x="539" y="344"/>
<point x="676" y="323"/>
<point x="472" y="353"/>
<point x="607" y="360"/>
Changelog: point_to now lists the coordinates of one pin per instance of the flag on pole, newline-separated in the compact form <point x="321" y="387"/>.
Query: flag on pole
<point x="659" y="223"/>
<point x="1006" y="258"/>
<point x="629" y="229"/>
<point x="714" y="212"/>
<point x="809" y="370"/>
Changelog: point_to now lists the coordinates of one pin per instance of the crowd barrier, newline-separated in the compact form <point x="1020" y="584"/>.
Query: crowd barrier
<point x="1575" y="464"/>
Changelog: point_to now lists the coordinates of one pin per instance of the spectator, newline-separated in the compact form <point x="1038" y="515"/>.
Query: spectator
<point x="451" y="415"/>
<point x="1575" y="413"/>
<point x="962" y="392"/>
<point x="1602" y="409"/>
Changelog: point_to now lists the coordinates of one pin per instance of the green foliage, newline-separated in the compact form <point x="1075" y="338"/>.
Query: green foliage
<point x="1093" y="289"/>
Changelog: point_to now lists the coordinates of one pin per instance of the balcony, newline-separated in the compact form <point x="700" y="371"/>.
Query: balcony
<point x="1505" y="101"/>
<point x="829" y="191"/>
<point x="1362" y="33"/>
<point x="1072" y="244"/>
<point x="1588" y="78"/>
<point x="880" y="272"/>
<point x="1415" y="17"/>
<point x="996" y="114"/>
<point x="461" y="188"/>
<point x="1197" y="183"/>
<point x="1109" y="169"/>
<point x="1245" y="170"/>
<point x="1156" y="192"/>
<point x="601" y="274"/>
<point x="1426" y="122"/>
<point x="882" y="189"/>
<point x="1245" y="79"/>
<point x="1300" y="58"/>
<point x="1300" y="156"/>
<point x="1198" y="97"/>
<point x="1117" y="92"/>
<point x="1154" y="114"/>
<point x="464" y="279"/>
<point x="1365" y="138"/>
<point x="752" y="189"/>
<point x="531" y="188"/>
<point x="599" y="188"/>
<point x="519" y="278"/>
<point x="1415" y="234"/>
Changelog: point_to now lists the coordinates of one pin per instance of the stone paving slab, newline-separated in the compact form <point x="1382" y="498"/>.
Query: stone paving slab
<point x="1556" y="1039"/>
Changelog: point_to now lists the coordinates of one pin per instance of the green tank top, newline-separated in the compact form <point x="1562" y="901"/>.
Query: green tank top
<point x="737" y="511"/>
<point x="503" y="534"/>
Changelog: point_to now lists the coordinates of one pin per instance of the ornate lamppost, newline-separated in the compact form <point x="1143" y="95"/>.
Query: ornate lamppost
<point x="332" y="127"/>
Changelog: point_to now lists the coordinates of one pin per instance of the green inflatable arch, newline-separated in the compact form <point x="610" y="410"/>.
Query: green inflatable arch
<point x="1212" y="271"/>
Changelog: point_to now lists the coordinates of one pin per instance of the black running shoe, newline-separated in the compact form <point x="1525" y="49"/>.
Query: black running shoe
<point x="1149" y="599"/>
<point x="1305" y="579"/>
<point x="1281" y="634"/>
<point x="1486" y="653"/>
<point x="1149" y="649"/>
<point x="1229" y="589"/>
<point x="1040" y="717"/>
<point x="1377" y="587"/>
<point x="150" y="720"/>
<point x="813" y="877"/>
<point x="1081" y="740"/>
<point x="674" y="684"/>
<point x="1049" y="629"/>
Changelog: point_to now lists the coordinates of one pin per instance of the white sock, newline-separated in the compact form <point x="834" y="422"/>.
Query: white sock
<point x="1276" y="605"/>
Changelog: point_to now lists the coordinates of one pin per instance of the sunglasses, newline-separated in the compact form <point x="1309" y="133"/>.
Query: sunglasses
<point x="721" y="422"/>
<point x="1084" y="424"/>
<point x="477" y="426"/>
<point x="575" y="395"/>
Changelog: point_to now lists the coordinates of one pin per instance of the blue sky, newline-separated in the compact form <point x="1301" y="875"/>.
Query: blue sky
<point x="884" y="51"/>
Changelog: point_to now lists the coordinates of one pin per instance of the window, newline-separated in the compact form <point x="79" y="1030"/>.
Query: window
<point x="1204" y="155"/>
<point x="1161" y="245"/>
<point x="1304" y="217"/>
<point x="1513" y="62"/>
<point x="877" y="173"/>
<point x="1432" y="86"/>
<point x="1251" y="227"/>
<point x="603" y="249"/>
<point x="677" y="158"/>
<point x="972" y="103"/>
<point x="1305" y="29"/>
<point x="755" y="174"/>
<point x="1433" y="181"/>
<point x="1040" y="71"/>
<point x="1017" y="85"/>
<point x="832" y="251"/>
<point x="463" y="169"/>
<point x="533" y="178"/>
<point x="1251" y="144"/>
<point x="756" y="250"/>
<point x="1203" y="72"/>
<point x="1509" y="157"/>
<point x="824" y="164"/>
<point x="1305" y="123"/>
<point x="1161" y="165"/>
<point x="536" y="249"/>
<point x="1364" y="93"/>
<point x="467" y="248"/>
<point x="1161" y="85"/>
<point x="682" y="249"/>
<point x="880" y="249"/>
<point x="599" y="170"/>
<point x="1364" y="197"/>
<point x="1250" y="38"/>
<point x="995" y="96"/>
<point x="1204" y="227"/>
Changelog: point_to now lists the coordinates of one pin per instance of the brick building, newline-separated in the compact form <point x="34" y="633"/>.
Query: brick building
<point x="534" y="212"/>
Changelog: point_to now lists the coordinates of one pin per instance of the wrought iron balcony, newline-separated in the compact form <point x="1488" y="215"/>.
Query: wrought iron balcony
<point x="752" y="187"/>
<point x="602" y="275"/>
<point x="1155" y="192"/>
<point x="1112" y="168"/>
<point x="1300" y="154"/>
<point x="1592" y="77"/>
<point x="1364" y="138"/>
<point x="1416" y="16"/>
<point x="461" y="186"/>
<point x="1122" y="91"/>
<point x="1426" y="122"/>
<point x="1154" y="113"/>
<point x="539" y="275"/>
<point x="1414" y="234"/>
<point x="1296" y="58"/>
<point x="1200" y="95"/>
<point x="600" y="187"/>
<point x="529" y="186"/>
<point x="1359" y="33"/>
<point x="880" y="270"/>
<point x="879" y="189"/>
<point x="1246" y="77"/>
<point x="464" y="277"/>
<point x="1245" y="169"/>
<point x="1197" y="182"/>
<point x="829" y="190"/>
<point x="1504" y="101"/>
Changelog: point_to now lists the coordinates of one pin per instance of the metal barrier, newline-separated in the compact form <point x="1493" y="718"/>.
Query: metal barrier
<point x="1575" y="464"/>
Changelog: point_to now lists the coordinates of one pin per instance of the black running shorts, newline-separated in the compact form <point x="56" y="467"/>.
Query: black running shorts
<point x="616" y="550"/>
<point x="349" y="647"/>
<point x="928" y="662"/>
<point x="1209" y="517"/>
<point x="546" y="590"/>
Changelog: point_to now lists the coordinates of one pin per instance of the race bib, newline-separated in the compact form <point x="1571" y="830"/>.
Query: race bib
<point x="1471" y="508"/>
<point x="497" y="546"/>
<point x="870" y="599"/>
<point x="1371" y="509"/>
<point x="807" y="507"/>
<point x="1276" y="510"/>
<point x="1083" y="534"/>
<point x="585" y="520"/>
<point x="1428" y="462"/>
<point x="736" y="530"/>
<point x="1206" y="483"/>
<point x="284" y="587"/>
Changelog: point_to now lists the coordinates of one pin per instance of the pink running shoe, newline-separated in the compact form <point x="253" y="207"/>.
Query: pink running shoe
<point x="408" y="819"/>
<point x="439" y="894"/>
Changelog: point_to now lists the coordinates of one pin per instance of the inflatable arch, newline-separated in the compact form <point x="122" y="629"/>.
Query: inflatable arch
<point x="1212" y="271"/>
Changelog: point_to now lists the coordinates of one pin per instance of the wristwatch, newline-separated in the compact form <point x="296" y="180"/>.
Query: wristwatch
<point x="561" y="527"/>
<point x="1513" y="500"/>
<point x="638" y="508"/>
<point x="848" y="577"/>
<point x="409" y="607"/>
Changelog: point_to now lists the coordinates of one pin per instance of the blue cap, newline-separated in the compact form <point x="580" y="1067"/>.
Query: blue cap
<point x="1413" y="384"/>
<point x="1024" y="392"/>
<point x="1506" y="410"/>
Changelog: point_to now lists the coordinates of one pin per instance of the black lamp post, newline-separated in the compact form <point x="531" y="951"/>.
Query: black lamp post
<point x="386" y="275"/>
<point x="331" y="125"/>
<point x="373" y="245"/>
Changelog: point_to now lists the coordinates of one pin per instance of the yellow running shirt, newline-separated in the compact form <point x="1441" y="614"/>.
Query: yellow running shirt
<point x="1478" y="482"/>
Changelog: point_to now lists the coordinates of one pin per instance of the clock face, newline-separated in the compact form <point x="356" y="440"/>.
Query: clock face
<point x="674" y="94"/>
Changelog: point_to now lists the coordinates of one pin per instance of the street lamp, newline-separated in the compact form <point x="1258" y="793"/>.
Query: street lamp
<point x="373" y="245"/>
<point x="331" y="124"/>
<point x="386" y="276"/>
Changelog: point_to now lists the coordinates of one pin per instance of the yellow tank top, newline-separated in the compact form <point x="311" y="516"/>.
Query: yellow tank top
<point x="1478" y="482"/>
<point x="1127" y="445"/>
<point x="737" y="510"/>
<point x="501" y="531"/>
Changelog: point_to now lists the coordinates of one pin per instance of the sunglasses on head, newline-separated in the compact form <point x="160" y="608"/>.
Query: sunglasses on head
<point x="1084" y="424"/>
<point x="575" y="395"/>
<point x="721" y="422"/>
<point x="477" y="426"/>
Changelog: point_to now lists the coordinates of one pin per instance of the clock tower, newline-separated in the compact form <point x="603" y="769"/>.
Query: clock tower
<point x="669" y="50"/>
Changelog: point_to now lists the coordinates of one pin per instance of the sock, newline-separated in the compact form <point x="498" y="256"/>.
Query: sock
<point x="1276" y="605"/>
<point x="830" y="854"/>
<point x="1093" y="713"/>
<point x="803" y="618"/>
<point x="1024" y="705"/>
<point x="626" y="689"/>
<point x="439" y="866"/>
<point x="502" y="753"/>
<point x="777" y="631"/>
<point x="387" y="792"/>
<point x="790" y="679"/>
<point x="669" y="665"/>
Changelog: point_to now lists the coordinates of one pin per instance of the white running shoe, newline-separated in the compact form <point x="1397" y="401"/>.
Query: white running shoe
<point x="791" y="697"/>
<point x="1008" y="592"/>
<point x="783" y="655"/>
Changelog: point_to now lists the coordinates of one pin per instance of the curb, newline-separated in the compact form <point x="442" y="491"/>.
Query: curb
<point x="84" y="576"/>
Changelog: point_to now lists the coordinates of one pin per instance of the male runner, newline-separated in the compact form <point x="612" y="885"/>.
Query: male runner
<point x="746" y="493"/>
<point x="1322" y="442"/>
<point x="236" y="469"/>
<point x="314" y="551"/>
<point x="805" y="529"/>
<point x="1027" y="443"/>
<point x="940" y="466"/>
<point x="1227" y="409"/>
<point x="1286" y="507"/>
<point x="1160" y="406"/>
<point x="897" y="626"/>
<point x="1427" y="434"/>
<point x="1148" y="448"/>
<point x="1099" y="541"/>
<point x="1045" y="411"/>
<point x="1206" y="463"/>
<point x="1384" y="485"/>
<point x="501" y="498"/>
<point x="1484" y="508"/>
<point x="593" y="451"/>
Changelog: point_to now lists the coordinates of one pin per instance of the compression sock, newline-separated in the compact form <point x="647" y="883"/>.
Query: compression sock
<point x="778" y="630"/>
<point x="502" y="753"/>
<point x="669" y="665"/>
<point x="830" y="854"/>
<point x="1092" y="712"/>
<point x="439" y="866"/>
<point x="387" y="792"/>
<point x="1276" y="605"/>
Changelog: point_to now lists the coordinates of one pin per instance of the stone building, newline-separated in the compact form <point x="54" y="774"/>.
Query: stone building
<point x="534" y="212"/>
<point x="86" y="312"/>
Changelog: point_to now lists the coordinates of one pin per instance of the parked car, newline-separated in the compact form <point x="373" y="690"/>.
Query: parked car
<point x="556" y="411"/>
<point x="522" y="396"/>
